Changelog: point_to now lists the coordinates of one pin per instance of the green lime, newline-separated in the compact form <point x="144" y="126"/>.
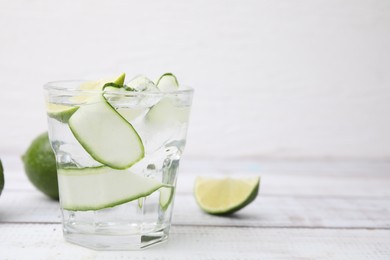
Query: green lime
<point x="1" y="178"/>
<point x="225" y="196"/>
<point x="40" y="166"/>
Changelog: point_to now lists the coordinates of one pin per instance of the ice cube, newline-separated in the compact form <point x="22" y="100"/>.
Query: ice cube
<point x="141" y="83"/>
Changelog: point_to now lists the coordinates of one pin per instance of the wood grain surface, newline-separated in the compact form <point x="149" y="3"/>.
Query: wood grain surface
<point x="336" y="210"/>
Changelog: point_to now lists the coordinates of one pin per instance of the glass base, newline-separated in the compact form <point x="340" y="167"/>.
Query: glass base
<point x="101" y="241"/>
<point x="130" y="226"/>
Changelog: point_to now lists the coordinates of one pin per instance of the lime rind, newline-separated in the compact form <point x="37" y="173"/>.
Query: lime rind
<point x="61" y="113"/>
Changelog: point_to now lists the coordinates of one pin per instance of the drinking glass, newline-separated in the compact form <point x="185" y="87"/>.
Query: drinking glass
<point x="109" y="202"/>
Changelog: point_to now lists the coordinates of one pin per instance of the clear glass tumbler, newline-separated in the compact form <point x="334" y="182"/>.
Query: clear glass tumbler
<point x="117" y="154"/>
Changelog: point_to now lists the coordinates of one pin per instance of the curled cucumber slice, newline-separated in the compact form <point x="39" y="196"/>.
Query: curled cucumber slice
<point x="106" y="135"/>
<point x="166" y="196"/>
<point x="97" y="188"/>
<point x="167" y="82"/>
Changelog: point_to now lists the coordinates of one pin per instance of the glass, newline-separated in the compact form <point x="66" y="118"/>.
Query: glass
<point x="116" y="209"/>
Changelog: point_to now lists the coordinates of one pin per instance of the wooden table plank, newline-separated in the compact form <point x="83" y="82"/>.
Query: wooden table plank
<point x="306" y="210"/>
<point x="295" y="178"/>
<point x="46" y="242"/>
<point x="265" y="211"/>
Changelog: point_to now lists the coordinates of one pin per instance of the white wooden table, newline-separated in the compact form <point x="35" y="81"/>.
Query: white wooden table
<point x="306" y="210"/>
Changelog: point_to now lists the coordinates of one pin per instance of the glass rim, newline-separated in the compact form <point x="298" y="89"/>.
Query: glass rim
<point x="56" y="86"/>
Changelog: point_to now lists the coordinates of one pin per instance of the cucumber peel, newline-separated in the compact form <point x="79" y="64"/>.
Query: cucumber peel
<point x="108" y="137"/>
<point x="83" y="189"/>
<point x="166" y="196"/>
<point x="167" y="82"/>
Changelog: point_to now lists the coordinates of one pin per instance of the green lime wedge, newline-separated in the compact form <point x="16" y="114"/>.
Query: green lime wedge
<point x="61" y="113"/>
<point x="225" y="196"/>
<point x="96" y="85"/>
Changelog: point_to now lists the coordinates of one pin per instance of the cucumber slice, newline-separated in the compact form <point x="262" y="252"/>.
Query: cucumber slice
<point x="141" y="202"/>
<point x="106" y="135"/>
<point x="166" y="196"/>
<point x="62" y="113"/>
<point x="97" y="188"/>
<point x="167" y="82"/>
<point x="166" y="112"/>
<point x="130" y="114"/>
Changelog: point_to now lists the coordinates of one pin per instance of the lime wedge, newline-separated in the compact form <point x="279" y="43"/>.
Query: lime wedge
<point x="225" y="196"/>
<point x="81" y="188"/>
<point x="96" y="85"/>
<point x="61" y="113"/>
<point x="167" y="82"/>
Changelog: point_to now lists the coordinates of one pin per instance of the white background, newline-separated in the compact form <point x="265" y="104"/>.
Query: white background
<point x="273" y="79"/>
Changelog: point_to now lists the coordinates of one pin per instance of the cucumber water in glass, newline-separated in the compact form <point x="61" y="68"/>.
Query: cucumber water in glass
<point x="118" y="145"/>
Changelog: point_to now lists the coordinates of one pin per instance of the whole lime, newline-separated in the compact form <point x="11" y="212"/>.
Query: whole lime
<point x="1" y="178"/>
<point x="40" y="166"/>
